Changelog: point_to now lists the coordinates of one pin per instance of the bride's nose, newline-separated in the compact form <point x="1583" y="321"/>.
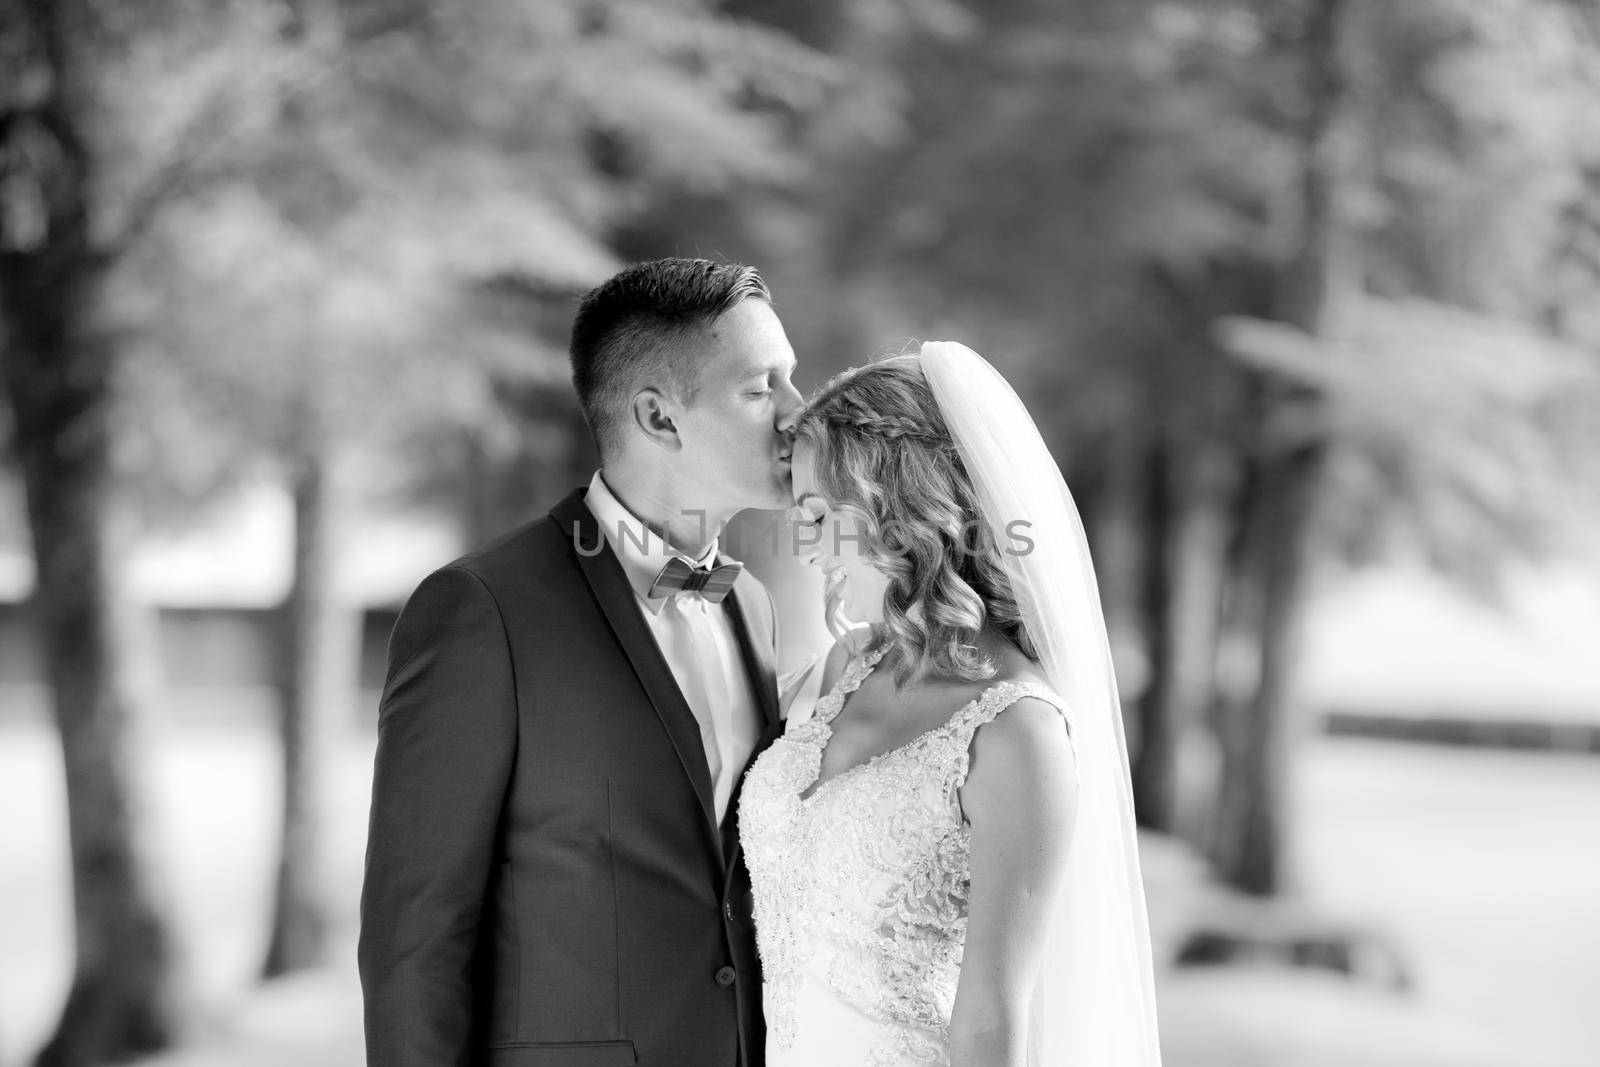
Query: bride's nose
<point x="810" y="547"/>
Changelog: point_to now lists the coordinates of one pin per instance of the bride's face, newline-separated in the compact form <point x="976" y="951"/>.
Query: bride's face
<point x="834" y="541"/>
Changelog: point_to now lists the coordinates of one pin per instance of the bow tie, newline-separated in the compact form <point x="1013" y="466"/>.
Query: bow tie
<point x="681" y="576"/>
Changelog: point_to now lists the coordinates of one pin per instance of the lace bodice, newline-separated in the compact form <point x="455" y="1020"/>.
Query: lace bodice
<point x="861" y="884"/>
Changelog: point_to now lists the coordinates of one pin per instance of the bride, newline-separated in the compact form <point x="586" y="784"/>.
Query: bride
<point x="943" y="855"/>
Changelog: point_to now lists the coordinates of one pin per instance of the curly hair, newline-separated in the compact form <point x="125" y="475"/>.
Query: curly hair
<point x="883" y="454"/>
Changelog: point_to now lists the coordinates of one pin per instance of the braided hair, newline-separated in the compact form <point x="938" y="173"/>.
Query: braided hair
<point x="884" y="454"/>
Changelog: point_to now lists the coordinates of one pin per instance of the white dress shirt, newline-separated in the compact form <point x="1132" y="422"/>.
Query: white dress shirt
<point x="696" y="639"/>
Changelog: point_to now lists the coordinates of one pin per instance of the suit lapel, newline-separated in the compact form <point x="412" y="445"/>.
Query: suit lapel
<point x="756" y="653"/>
<point x="758" y="664"/>
<point x="617" y="600"/>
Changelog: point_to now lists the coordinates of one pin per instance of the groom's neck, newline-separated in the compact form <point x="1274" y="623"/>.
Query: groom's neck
<point x="654" y="498"/>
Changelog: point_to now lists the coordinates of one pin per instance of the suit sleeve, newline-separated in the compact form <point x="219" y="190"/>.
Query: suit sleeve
<point x="446" y="739"/>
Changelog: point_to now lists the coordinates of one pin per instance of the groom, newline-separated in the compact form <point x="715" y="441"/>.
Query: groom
<point x="553" y="877"/>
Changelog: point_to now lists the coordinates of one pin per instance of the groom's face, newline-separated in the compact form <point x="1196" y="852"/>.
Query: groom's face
<point x="736" y="430"/>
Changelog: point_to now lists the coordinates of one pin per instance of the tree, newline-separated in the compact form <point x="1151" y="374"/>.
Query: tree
<point x="60" y="352"/>
<point x="1283" y="485"/>
<point x="1377" y="409"/>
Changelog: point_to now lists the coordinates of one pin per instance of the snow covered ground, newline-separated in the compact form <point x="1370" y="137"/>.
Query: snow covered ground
<point x="1483" y="867"/>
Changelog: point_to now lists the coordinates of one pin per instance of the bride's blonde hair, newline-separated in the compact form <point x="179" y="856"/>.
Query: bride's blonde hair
<point x="883" y="453"/>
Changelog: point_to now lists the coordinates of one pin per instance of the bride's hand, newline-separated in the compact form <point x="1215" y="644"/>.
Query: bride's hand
<point x="834" y="585"/>
<point x="791" y="683"/>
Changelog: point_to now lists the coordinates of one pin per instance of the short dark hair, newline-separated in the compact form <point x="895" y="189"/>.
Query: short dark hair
<point x="629" y="334"/>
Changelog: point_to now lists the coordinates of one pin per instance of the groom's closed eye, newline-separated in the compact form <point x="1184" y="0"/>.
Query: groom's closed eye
<point x="763" y="382"/>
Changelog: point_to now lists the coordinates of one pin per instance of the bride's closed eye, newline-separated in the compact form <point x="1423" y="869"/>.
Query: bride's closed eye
<point x="810" y="511"/>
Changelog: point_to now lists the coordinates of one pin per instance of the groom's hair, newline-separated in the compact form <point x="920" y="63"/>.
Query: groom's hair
<point x="640" y="328"/>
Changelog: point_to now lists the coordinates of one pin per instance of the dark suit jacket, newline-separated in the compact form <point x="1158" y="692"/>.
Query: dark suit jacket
<point x="546" y="883"/>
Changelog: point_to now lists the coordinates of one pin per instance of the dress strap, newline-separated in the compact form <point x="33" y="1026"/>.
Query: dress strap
<point x="997" y="698"/>
<point x="855" y="672"/>
<point x="990" y="703"/>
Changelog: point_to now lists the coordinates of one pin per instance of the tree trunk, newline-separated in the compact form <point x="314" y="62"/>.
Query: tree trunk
<point x="319" y="648"/>
<point x="59" y="362"/>
<point x="121" y="1001"/>
<point x="475" y="484"/>
<point x="1183" y="583"/>
<point x="319" y="640"/>
<point x="1256" y="726"/>
<point x="1113" y="521"/>
<point x="1155" y="767"/>
<point x="1279" y="518"/>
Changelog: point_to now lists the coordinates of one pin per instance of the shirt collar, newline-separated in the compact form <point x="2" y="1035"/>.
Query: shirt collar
<point x="641" y="551"/>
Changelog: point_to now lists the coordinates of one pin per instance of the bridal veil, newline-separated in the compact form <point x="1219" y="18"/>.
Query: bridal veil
<point x="1094" y="1005"/>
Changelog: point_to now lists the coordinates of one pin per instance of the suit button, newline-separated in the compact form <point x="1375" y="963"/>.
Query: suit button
<point x="725" y="976"/>
<point x="727" y="909"/>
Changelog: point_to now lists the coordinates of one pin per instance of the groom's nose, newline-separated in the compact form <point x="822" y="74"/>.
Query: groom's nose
<point x="790" y="403"/>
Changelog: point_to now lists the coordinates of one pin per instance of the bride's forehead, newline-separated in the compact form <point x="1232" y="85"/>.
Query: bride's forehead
<point x="803" y="480"/>
<point x="803" y="474"/>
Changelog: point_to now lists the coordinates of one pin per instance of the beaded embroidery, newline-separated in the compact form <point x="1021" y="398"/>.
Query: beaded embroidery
<point x="874" y="865"/>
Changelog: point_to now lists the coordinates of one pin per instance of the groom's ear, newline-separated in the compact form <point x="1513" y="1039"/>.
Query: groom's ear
<point x="652" y="416"/>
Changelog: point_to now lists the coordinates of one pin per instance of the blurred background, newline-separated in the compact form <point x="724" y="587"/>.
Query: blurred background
<point x="1304" y="293"/>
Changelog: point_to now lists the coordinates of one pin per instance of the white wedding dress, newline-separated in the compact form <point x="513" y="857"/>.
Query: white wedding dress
<point x="861" y="886"/>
